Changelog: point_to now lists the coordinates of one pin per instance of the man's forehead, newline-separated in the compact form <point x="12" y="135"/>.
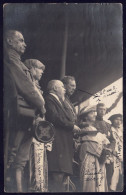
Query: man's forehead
<point x="102" y="107"/>
<point x="72" y="82"/>
<point x="39" y="64"/>
<point x="19" y="35"/>
<point x="59" y="83"/>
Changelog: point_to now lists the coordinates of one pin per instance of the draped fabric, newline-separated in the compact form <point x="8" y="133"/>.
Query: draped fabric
<point x="38" y="167"/>
<point x="92" y="171"/>
<point x="117" y="160"/>
<point x="93" y="174"/>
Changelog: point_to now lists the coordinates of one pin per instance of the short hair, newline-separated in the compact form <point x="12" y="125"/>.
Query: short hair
<point x="66" y="79"/>
<point x="10" y="34"/>
<point x="52" y="84"/>
<point x="32" y="63"/>
<point x="100" y="105"/>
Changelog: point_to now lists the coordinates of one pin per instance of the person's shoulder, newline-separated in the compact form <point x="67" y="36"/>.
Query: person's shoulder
<point x="49" y="99"/>
<point x="108" y="124"/>
<point x="96" y="123"/>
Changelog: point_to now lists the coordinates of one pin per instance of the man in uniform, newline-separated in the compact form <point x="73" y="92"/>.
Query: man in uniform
<point x="18" y="87"/>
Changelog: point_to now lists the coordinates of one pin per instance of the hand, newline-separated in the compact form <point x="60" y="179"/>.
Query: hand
<point x="76" y="129"/>
<point x="37" y="120"/>
<point x="43" y="110"/>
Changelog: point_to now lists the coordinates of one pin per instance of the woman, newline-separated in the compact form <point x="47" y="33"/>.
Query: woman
<point x="38" y="175"/>
<point x="37" y="69"/>
<point x="92" y="170"/>
<point x="117" y="133"/>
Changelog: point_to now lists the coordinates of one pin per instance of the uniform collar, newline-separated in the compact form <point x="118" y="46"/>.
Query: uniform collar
<point x="13" y="54"/>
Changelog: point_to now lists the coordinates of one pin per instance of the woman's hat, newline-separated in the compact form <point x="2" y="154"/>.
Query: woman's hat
<point x="86" y="110"/>
<point x="114" y="116"/>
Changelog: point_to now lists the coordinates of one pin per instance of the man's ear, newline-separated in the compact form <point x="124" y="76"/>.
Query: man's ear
<point x="55" y="88"/>
<point x="9" y="41"/>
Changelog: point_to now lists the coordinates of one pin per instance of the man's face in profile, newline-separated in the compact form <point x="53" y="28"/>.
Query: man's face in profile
<point x="70" y="87"/>
<point x="60" y="89"/>
<point x="17" y="43"/>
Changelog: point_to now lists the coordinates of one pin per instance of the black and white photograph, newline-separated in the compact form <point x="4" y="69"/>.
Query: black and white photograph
<point x="63" y="97"/>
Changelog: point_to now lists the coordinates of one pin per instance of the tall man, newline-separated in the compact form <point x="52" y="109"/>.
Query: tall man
<point x="18" y="86"/>
<point x="60" y="159"/>
<point x="70" y="86"/>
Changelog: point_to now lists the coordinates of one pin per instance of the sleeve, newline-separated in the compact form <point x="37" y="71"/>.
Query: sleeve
<point x="90" y="147"/>
<point x="94" y="148"/>
<point x="112" y="141"/>
<point x="56" y="118"/>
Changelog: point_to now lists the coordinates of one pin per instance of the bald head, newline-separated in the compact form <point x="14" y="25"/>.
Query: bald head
<point x="56" y="87"/>
<point x="14" y="39"/>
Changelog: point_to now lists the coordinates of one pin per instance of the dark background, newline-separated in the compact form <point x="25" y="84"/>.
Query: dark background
<point x="94" y="47"/>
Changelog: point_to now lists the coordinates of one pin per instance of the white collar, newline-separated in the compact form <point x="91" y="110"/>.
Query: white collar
<point x="56" y="97"/>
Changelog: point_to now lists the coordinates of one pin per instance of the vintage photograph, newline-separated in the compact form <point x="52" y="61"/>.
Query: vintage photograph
<point x="63" y="97"/>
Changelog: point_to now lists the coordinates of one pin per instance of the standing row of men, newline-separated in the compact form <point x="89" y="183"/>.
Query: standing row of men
<point x="24" y="101"/>
<point x="21" y="98"/>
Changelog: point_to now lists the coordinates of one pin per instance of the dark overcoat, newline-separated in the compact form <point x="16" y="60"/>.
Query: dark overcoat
<point x="61" y="156"/>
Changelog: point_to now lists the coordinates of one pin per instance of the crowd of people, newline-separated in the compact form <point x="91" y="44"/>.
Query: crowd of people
<point x="85" y="138"/>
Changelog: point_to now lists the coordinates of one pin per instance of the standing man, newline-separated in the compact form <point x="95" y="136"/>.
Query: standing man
<point x="18" y="90"/>
<point x="60" y="159"/>
<point x="101" y="125"/>
<point x="70" y="86"/>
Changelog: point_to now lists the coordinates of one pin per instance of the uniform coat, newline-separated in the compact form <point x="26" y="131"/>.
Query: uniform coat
<point x="17" y="81"/>
<point x="60" y="159"/>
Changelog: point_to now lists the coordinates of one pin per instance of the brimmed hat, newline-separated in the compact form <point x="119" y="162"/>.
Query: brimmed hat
<point x="111" y="118"/>
<point x="86" y="110"/>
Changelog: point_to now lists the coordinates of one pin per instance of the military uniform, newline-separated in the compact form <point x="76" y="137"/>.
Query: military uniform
<point x="18" y="82"/>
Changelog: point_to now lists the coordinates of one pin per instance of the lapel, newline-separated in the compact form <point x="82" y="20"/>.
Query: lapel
<point x="69" y="102"/>
<point x="67" y="114"/>
<point x="56" y="102"/>
<point x="59" y="105"/>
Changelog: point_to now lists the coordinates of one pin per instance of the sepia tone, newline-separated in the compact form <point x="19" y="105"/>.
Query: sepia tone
<point x="63" y="103"/>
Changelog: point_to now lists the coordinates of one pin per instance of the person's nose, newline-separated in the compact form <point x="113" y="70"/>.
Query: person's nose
<point x="25" y="44"/>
